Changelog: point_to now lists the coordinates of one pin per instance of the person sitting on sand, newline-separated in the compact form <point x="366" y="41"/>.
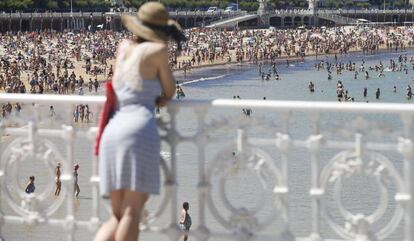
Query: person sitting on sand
<point x="30" y="187"/>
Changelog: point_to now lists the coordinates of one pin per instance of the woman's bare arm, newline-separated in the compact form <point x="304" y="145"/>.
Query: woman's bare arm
<point x="165" y="74"/>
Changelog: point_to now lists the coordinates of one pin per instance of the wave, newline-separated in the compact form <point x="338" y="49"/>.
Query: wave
<point x="204" y="79"/>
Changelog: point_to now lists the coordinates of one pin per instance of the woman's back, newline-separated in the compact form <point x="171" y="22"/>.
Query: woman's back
<point x="136" y="79"/>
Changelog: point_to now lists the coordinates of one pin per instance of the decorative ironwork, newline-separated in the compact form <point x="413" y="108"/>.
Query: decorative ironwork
<point x="267" y="157"/>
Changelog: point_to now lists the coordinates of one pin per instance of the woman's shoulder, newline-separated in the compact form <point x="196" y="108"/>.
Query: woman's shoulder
<point x="123" y="45"/>
<point x="155" y="48"/>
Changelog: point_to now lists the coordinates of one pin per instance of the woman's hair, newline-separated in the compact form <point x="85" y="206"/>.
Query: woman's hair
<point x="139" y="39"/>
<point x="173" y="30"/>
<point x="186" y="205"/>
<point x="31" y="178"/>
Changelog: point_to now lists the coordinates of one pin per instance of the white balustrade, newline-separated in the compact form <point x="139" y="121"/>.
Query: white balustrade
<point x="356" y="155"/>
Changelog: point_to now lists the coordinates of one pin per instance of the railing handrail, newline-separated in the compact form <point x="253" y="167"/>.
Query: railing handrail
<point x="307" y="106"/>
<point x="47" y="98"/>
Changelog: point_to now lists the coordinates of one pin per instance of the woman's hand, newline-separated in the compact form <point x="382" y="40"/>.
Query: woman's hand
<point x="161" y="101"/>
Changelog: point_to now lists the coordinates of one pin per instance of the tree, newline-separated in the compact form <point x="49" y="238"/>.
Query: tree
<point x="18" y="4"/>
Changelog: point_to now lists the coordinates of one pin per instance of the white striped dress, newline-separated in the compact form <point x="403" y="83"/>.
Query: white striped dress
<point x="129" y="154"/>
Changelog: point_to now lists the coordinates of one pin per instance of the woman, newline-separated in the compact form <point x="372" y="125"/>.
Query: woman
<point x="75" y="178"/>
<point x="129" y="152"/>
<point x="58" y="182"/>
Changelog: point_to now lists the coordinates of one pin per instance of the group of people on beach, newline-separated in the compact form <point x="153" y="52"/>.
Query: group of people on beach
<point x="30" y="186"/>
<point x="66" y="63"/>
<point x="212" y="46"/>
<point x="59" y="63"/>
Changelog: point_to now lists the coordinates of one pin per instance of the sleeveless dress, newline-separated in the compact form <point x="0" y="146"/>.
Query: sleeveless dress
<point x="129" y="154"/>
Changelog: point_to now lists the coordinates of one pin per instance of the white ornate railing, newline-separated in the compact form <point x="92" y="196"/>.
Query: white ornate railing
<point x="340" y="141"/>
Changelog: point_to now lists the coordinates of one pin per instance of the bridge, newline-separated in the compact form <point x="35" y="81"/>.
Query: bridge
<point x="290" y="18"/>
<point x="339" y="144"/>
<point x="231" y="22"/>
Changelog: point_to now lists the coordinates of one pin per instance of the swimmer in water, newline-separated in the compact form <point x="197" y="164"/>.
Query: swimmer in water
<point x="311" y="87"/>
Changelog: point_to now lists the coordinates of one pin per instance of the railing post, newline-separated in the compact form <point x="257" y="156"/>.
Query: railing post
<point x="67" y="179"/>
<point x="94" y="180"/>
<point x="173" y="140"/>
<point x="283" y="144"/>
<point x="1" y="187"/>
<point x="203" y="186"/>
<point x="316" y="192"/>
<point x="406" y="149"/>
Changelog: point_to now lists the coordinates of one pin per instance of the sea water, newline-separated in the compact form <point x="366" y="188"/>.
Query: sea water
<point x="243" y="80"/>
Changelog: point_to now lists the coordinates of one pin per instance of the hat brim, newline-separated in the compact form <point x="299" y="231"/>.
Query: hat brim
<point x="134" y="25"/>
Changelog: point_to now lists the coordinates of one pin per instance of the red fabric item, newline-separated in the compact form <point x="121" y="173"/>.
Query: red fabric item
<point x="106" y="114"/>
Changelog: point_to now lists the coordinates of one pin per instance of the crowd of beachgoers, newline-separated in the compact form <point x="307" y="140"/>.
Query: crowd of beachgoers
<point x="78" y="62"/>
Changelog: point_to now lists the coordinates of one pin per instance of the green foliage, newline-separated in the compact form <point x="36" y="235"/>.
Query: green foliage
<point x="18" y="4"/>
<point x="133" y="3"/>
<point x="51" y="5"/>
<point x="332" y="3"/>
<point x="363" y="5"/>
<point x="249" y="5"/>
<point x="81" y="3"/>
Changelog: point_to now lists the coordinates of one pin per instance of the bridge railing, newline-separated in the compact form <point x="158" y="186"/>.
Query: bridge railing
<point x="4" y="15"/>
<point x="339" y="142"/>
<point x="337" y="18"/>
<point x="365" y="11"/>
<point x="99" y="14"/>
<point x="293" y="11"/>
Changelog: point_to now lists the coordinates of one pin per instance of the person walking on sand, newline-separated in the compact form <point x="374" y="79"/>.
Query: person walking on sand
<point x="142" y="80"/>
<point x="75" y="178"/>
<point x="185" y="220"/>
<point x="30" y="187"/>
<point x="58" y="182"/>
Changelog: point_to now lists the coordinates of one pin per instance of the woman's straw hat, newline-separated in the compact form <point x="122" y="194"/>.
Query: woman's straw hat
<point x="151" y="23"/>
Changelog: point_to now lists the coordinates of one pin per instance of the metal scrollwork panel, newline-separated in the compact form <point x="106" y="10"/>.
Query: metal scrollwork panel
<point x="38" y="205"/>
<point x="373" y="165"/>
<point x="245" y="221"/>
<point x="367" y="127"/>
